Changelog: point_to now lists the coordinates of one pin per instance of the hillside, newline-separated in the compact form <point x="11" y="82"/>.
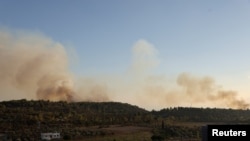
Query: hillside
<point x="30" y="118"/>
<point x="27" y="119"/>
<point x="79" y="113"/>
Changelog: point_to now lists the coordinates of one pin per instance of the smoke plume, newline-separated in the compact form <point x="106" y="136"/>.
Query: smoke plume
<point x="33" y="66"/>
<point x="151" y="90"/>
<point x="205" y="90"/>
<point x="144" y="57"/>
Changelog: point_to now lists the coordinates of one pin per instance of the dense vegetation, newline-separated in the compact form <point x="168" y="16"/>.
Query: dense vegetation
<point x="186" y="114"/>
<point x="80" y="113"/>
<point x="27" y="119"/>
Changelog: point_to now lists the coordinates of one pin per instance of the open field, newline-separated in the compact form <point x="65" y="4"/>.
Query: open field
<point x="131" y="133"/>
<point x="120" y="133"/>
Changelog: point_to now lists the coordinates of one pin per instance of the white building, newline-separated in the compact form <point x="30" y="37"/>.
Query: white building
<point x="49" y="136"/>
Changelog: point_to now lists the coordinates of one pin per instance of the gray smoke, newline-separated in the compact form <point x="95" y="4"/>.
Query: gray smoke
<point x="35" y="67"/>
<point x="204" y="89"/>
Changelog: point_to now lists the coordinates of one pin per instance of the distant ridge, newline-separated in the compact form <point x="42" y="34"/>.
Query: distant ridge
<point x="191" y="114"/>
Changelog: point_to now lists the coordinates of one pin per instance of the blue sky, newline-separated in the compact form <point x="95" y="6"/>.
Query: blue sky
<point x="196" y="36"/>
<point x="189" y="35"/>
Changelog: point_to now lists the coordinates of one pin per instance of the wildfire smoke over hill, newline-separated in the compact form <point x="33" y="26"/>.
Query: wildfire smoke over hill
<point x="36" y="67"/>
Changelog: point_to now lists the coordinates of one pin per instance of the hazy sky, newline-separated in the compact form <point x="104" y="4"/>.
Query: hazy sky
<point x="200" y="37"/>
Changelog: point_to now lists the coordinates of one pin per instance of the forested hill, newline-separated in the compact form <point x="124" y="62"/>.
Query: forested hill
<point x="97" y="113"/>
<point x="24" y="112"/>
<point x="29" y="118"/>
